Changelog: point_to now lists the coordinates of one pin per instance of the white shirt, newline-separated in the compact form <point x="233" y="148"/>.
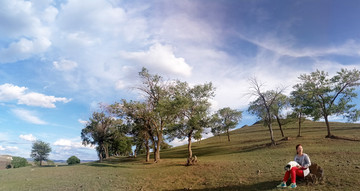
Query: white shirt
<point x="304" y="161"/>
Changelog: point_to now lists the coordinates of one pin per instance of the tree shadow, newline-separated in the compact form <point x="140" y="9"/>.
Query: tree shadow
<point x="268" y="185"/>
<point x="106" y="165"/>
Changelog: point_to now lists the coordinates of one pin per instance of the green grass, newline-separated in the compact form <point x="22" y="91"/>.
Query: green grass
<point x="222" y="165"/>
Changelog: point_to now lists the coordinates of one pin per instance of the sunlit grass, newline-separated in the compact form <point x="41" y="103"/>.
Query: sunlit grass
<point x="245" y="163"/>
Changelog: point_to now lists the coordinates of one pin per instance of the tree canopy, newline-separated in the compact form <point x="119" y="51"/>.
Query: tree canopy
<point x="40" y="151"/>
<point x="326" y="96"/>
<point x="224" y="120"/>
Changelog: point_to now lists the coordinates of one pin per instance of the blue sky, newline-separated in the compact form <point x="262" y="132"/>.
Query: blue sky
<point x="59" y="59"/>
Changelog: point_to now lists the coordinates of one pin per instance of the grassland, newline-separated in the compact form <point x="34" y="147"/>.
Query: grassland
<point x="245" y="163"/>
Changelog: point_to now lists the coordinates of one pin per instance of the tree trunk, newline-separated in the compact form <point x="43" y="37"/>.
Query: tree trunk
<point x="271" y="134"/>
<point x="189" y="146"/>
<point x="40" y="162"/>
<point x="228" y="134"/>
<point x="299" y="135"/>
<point x="278" y="120"/>
<point x="270" y="128"/>
<point x="147" y="147"/>
<point x="157" y="152"/>
<point x="106" y="150"/>
<point x="327" y="126"/>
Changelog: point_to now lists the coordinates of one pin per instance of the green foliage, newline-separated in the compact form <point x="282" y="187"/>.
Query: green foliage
<point x="320" y="96"/>
<point x="40" y="151"/>
<point x="224" y="120"/>
<point x="100" y="131"/>
<point x="191" y="107"/>
<point x="73" y="160"/>
<point x="269" y="105"/>
<point x="18" y="162"/>
<point x="121" y="145"/>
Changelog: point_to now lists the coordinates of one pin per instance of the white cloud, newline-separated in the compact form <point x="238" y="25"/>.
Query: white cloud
<point x="28" y="137"/>
<point x="29" y="34"/>
<point x="285" y="47"/>
<point x="12" y="148"/>
<point x="83" y="122"/>
<point x="65" y="65"/>
<point x="178" y="142"/>
<point x="68" y="144"/>
<point x="28" y="116"/>
<point x="10" y="92"/>
<point x="8" y="148"/>
<point x="160" y="57"/>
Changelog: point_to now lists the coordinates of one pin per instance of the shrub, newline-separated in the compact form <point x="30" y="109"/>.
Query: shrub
<point x="73" y="160"/>
<point x="18" y="162"/>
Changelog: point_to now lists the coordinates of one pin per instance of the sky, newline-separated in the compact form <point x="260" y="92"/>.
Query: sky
<point x="60" y="59"/>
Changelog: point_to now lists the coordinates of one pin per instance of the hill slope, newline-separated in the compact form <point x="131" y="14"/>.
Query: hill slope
<point x="245" y="163"/>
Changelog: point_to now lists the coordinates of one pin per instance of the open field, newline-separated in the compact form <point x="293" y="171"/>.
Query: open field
<point x="245" y="163"/>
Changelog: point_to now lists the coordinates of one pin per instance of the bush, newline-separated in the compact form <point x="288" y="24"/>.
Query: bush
<point x="73" y="160"/>
<point x="18" y="162"/>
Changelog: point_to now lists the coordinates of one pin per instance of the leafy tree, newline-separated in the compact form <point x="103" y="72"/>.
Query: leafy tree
<point x="73" y="160"/>
<point x="192" y="112"/>
<point x="40" y="151"/>
<point x="138" y="116"/>
<point x="99" y="131"/>
<point x="120" y="145"/>
<point x="157" y="107"/>
<point x="264" y="104"/>
<point x="18" y="162"/>
<point x="298" y="101"/>
<point x="224" y="120"/>
<point x="330" y="96"/>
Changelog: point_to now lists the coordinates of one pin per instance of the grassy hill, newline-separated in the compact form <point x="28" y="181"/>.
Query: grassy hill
<point x="245" y="163"/>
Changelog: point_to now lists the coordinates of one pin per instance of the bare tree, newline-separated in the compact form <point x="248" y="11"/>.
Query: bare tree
<point x="265" y="100"/>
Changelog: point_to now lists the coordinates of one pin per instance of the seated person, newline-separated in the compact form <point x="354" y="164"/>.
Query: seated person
<point x="301" y="171"/>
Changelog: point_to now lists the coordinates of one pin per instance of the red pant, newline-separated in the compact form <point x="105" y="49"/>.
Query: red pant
<point x="295" y="171"/>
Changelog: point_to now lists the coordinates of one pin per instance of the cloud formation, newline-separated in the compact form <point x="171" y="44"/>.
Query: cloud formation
<point x="28" y="116"/>
<point x="28" y="137"/>
<point x="68" y="144"/>
<point x="65" y="65"/>
<point x="9" y="92"/>
<point x="160" y="58"/>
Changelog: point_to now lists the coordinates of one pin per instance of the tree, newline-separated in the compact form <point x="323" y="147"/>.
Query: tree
<point x="224" y="120"/>
<point x="280" y="103"/>
<point x="330" y="96"/>
<point x="73" y="160"/>
<point x="158" y="109"/>
<point x="40" y="151"/>
<point x="18" y="162"/>
<point x="191" y="106"/>
<point x="120" y="145"/>
<point x="99" y="131"/>
<point x="262" y="106"/>
<point x="138" y="116"/>
<point x="297" y="101"/>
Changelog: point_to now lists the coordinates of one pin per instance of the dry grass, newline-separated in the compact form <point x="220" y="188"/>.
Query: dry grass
<point x="245" y="163"/>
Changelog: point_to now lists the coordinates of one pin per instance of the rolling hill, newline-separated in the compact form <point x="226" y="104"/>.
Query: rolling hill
<point x="245" y="163"/>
